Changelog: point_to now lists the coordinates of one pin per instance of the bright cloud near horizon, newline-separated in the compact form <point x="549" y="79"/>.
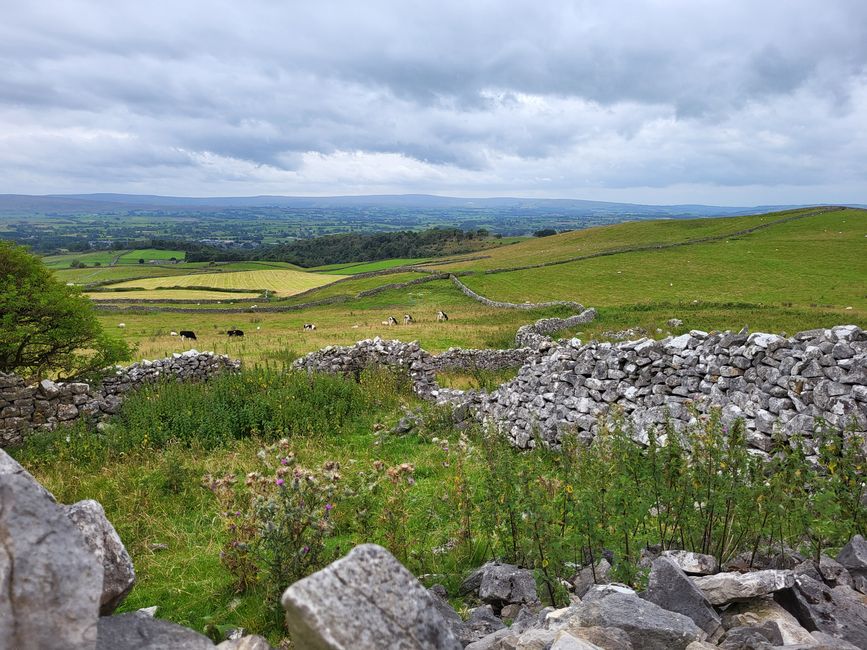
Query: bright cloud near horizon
<point x="658" y="101"/>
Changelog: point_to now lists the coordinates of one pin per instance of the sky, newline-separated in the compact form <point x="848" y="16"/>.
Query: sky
<point x="729" y="102"/>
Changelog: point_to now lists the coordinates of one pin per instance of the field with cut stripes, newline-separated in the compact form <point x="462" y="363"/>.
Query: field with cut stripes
<point x="282" y="282"/>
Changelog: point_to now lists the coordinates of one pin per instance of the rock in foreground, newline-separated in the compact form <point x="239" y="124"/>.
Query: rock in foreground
<point x="365" y="600"/>
<point x="50" y="584"/>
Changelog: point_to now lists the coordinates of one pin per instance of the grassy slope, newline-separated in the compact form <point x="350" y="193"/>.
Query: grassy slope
<point x="281" y="335"/>
<point x="819" y="260"/>
<point x="603" y="238"/>
<point x="788" y="277"/>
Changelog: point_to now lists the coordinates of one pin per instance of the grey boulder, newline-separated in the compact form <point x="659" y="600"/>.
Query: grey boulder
<point x="136" y="631"/>
<point x="365" y="600"/>
<point x="730" y="587"/>
<point x="249" y="642"/>
<point x="501" y="584"/>
<point x="50" y="583"/>
<point x="649" y="626"/>
<point x="670" y="588"/>
<point x="693" y="563"/>
<point x="838" y="611"/>
<point x="10" y="466"/>
<point x="104" y="542"/>
<point x="756" y="612"/>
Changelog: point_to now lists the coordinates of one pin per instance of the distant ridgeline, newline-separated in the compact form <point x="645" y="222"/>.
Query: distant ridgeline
<point x="350" y="247"/>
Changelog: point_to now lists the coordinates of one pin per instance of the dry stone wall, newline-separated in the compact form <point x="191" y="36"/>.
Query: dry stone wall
<point x="510" y="305"/>
<point x="775" y="384"/>
<point x="27" y="408"/>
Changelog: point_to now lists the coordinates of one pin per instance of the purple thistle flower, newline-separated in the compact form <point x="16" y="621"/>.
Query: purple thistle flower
<point x="328" y="507"/>
<point x="279" y="482"/>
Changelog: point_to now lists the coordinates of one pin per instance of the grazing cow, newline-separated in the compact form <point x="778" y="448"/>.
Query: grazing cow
<point x="238" y="333"/>
<point x="442" y="316"/>
<point x="188" y="334"/>
<point x="407" y="319"/>
<point x="309" y="326"/>
<point x="121" y="325"/>
<point x="173" y="333"/>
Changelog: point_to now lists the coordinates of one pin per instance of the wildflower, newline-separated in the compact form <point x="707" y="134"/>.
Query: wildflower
<point x="328" y="507"/>
<point x="280" y="482"/>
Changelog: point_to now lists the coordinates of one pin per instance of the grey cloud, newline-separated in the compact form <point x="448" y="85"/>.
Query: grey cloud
<point x="558" y="97"/>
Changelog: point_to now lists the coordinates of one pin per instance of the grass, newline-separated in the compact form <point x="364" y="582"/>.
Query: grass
<point x="367" y="267"/>
<point x="786" y="278"/>
<point x="818" y="262"/>
<point x="63" y="261"/>
<point x="471" y="493"/>
<point x="148" y="254"/>
<point x="267" y="334"/>
<point x="283" y="282"/>
<point x="606" y="238"/>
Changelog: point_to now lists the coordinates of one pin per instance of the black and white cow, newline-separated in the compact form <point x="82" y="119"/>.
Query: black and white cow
<point x="442" y="316"/>
<point x="309" y="326"/>
<point x="391" y="321"/>
<point x="188" y="334"/>
<point x="407" y="319"/>
<point x="238" y="333"/>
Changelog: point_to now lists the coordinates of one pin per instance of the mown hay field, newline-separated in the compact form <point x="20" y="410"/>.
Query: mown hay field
<point x="283" y="282"/>
<point x="169" y="295"/>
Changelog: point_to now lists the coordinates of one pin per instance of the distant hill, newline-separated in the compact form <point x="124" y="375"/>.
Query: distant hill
<point x="61" y="204"/>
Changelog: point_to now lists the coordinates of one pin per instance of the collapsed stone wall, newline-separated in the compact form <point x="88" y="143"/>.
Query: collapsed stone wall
<point x="510" y="305"/>
<point x="775" y="384"/>
<point x="538" y="333"/>
<point x="27" y="408"/>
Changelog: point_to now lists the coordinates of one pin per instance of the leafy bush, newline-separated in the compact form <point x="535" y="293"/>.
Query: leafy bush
<point x="47" y="326"/>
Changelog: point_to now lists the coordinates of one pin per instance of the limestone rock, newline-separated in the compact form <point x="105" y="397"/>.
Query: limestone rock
<point x="481" y="622"/>
<point x="250" y="642"/>
<point x="853" y="556"/>
<point x="9" y="465"/>
<point x="590" y="575"/>
<point x="833" y="611"/>
<point x="729" y="587"/>
<point x="761" y="610"/>
<point x="670" y="588"/>
<point x="365" y="600"/>
<point x="607" y="638"/>
<point x="566" y="641"/>
<point x="134" y="631"/>
<point x="748" y="638"/>
<point x="104" y="542"/>
<point x="694" y="563"/>
<point x="50" y="582"/>
<point x="501" y="584"/>
<point x="649" y="626"/>
<point x="499" y="640"/>
<point x="451" y="617"/>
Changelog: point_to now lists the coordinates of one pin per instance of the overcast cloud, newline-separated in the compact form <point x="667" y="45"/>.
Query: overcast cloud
<point x="730" y="101"/>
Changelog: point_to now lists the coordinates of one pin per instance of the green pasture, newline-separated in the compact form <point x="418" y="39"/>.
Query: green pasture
<point x="148" y="254"/>
<point x="604" y="238"/>
<point x="104" y="258"/>
<point x="367" y="267"/>
<point x="819" y="261"/>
